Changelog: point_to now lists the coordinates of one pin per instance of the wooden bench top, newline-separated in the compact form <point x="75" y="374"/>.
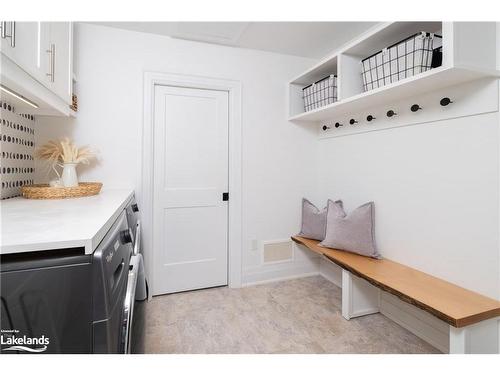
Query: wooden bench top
<point x="455" y="305"/>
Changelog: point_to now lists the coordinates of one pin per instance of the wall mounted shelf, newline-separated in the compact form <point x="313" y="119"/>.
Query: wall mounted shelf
<point x="468" y="54"/>
<point x="431" y="80"/>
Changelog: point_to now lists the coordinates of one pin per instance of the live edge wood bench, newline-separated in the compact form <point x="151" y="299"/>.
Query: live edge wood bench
<point x="472" y="317"/>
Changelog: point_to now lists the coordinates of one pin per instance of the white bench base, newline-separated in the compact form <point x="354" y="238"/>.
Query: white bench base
<point x="479" y="338"/>
<point x="360" y="298"/>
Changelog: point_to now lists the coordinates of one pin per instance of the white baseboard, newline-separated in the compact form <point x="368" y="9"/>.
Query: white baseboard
<point x="283" y="278"/>
<point x="284" y="271"/>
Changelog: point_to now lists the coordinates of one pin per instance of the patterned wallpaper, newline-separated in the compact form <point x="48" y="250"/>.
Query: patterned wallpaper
<point x="17" y="146"/>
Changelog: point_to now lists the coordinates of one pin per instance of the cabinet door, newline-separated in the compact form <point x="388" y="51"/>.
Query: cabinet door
<point x="56" y="57"/>
<point x="25" y="50"/>
<point x="61" y="41"/>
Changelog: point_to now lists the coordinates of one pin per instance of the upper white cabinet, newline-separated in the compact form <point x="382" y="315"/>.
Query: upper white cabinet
<point x="56" y="57"/>
<point x="20" y="43"/>
<point x="468" y="53"/>
<point x="37" y="64"/>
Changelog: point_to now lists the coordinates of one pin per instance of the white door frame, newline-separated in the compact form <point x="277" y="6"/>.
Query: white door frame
<point x="152" y="79"/>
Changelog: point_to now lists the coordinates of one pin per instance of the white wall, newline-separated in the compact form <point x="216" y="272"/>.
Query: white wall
<point x="278" y="157"/>
<point x="435" y="185"/>
<point x="435" y="188"/>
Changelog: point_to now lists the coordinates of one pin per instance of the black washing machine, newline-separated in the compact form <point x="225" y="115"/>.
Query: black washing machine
<point x="68" y="301"/>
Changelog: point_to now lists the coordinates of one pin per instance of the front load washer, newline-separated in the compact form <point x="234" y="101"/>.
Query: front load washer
<point x="111" y="263"/>
<point x="74" y="303"/>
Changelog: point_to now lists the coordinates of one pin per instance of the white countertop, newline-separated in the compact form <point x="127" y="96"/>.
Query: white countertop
<point x="34" y="225"/>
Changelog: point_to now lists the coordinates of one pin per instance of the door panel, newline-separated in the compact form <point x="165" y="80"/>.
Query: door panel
<point x="190" y="174"/>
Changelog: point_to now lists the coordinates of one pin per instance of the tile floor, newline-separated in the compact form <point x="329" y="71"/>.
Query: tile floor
<point x="294" y="316"/>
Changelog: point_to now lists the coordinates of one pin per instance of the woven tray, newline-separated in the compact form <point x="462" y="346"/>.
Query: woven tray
<point x="44" y="191"/>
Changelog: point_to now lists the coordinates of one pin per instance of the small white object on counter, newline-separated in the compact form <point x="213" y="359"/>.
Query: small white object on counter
<point x="69" y="176"/>
<point x="35" y="225"/>
<point x="56" y="183"/>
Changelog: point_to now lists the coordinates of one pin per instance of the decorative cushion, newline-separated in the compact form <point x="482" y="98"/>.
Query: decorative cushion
<point x="313" y="221"/>
<point x="354" y="232"/>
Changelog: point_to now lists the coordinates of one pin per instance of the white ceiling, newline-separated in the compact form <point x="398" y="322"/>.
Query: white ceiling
<point x="307" y="39"/>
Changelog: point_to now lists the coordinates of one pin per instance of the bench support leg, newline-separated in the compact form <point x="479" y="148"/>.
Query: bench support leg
<point x="458" y="340"/>
<point x="358" y="296"/>
<point x="479" y="338"/>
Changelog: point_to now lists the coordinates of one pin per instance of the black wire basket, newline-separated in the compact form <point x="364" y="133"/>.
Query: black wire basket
<point x="410" y="56"/>
<point x="320" y="93"/>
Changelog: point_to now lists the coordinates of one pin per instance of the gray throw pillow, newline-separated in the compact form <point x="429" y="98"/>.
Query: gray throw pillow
<point x="313" y="221"/>
<point x="354" y="232"/>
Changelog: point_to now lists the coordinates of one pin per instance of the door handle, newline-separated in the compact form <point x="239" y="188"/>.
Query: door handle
<point x="225" y="196"/>
<point x="52" y="53"/>
<point x="137" y="244"/>
<point x="128" y="309"/>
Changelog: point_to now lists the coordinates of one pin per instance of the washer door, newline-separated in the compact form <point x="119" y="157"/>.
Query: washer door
<point x="128" y="306"/>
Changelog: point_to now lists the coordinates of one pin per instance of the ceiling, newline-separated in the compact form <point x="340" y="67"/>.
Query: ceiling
<point x="307" y="39"/>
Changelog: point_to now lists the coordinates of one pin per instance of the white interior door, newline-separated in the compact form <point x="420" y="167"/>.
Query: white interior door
<point x="190" y="176"/>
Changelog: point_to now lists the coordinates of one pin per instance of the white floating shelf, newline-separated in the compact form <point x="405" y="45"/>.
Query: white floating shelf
<point x="464" y="59"/>
<point x="423" y="83"/>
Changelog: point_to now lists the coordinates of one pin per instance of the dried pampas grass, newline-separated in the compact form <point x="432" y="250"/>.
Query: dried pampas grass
<point x="62" y="151"/>
<point x="65" y="151"/>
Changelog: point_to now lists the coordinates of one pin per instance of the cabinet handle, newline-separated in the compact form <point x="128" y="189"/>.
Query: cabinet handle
<point x="13" y="34"/>
<point x="52" y="52"/>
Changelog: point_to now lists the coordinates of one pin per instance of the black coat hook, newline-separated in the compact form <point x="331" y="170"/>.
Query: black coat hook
<point x="370" y="118"/>
<point x="352" y="121"/>
<point x="391" y="113"/>
<point x="415" y="108"/>
<point x="445" y="101"/>
<point x="338" y="125"/>
<point x="325" y="128"/>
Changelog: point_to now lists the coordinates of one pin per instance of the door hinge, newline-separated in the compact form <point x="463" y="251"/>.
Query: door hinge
<point x="225" y="196"/>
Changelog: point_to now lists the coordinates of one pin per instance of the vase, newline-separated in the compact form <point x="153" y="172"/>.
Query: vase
<point x="69" y="176"/>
